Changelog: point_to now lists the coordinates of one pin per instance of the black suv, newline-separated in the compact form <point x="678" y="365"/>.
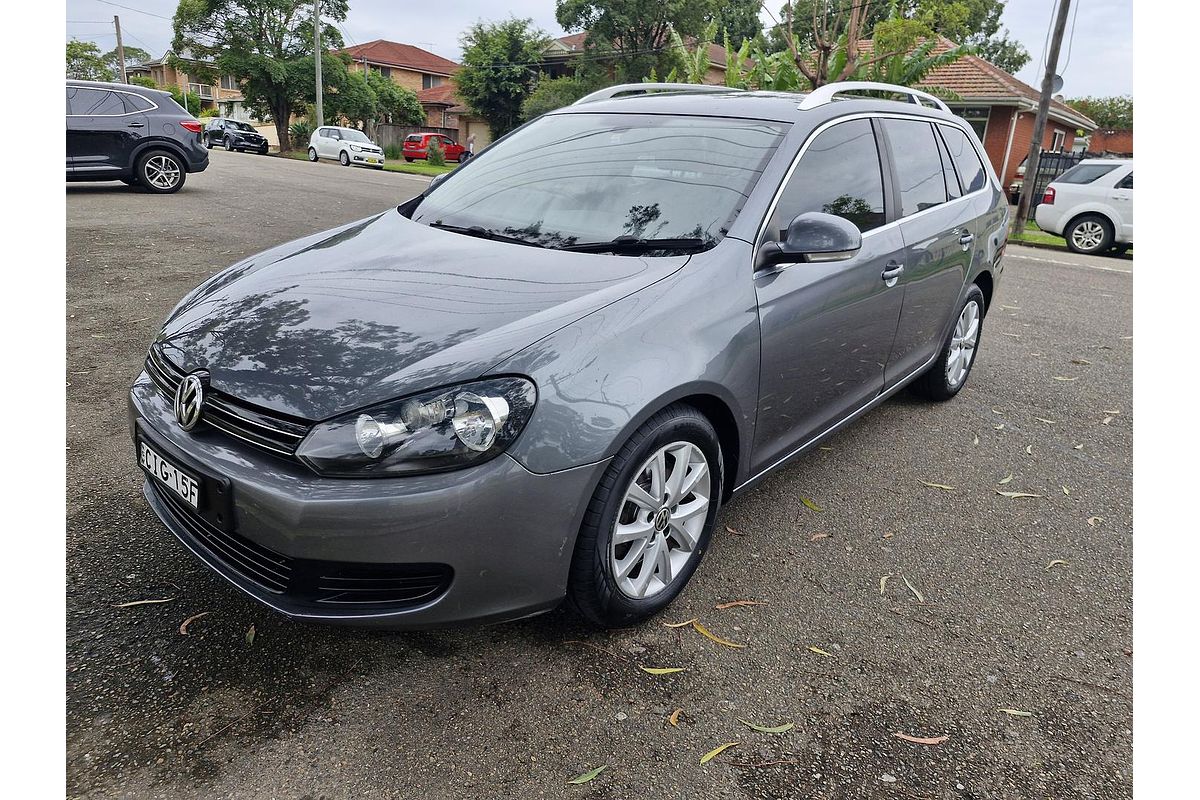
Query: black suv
<point x="116" y="131"/>
<point x="234" y="135"/>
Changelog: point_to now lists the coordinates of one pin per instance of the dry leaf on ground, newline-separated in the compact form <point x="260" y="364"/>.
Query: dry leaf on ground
<point x="810" y="504"/>
<point x="250" y="636"/>
<point x="735" y="603"/>
<point x="1055" y="563"/>
<point x="1014" y="712"/>
<point x="821" y="652"/>
<point x="183" y="628"/>
<point x="934" y="740"/>
<point x="588" y="776"/>
<point x="938" y="486"/>
<point x="733" y="531"/>
<point x="1064" y="378"/>
<point x="1006" y="479"/>
<point x="1029" y="450"/>
<point x="817" y="536"/>
<point x="883" y="583"/>
<point x="683" y="624"/>
<point x="762" y="729"/>
<point x="706" y="633"/>
<point x="143" y="603"/>
<point x="1094" y="521"/>
<point x="913" y="589"/>
<point x="660" y="670"/>
<point x="716" y="751"/>
<point x="674" y="718"/>
<point x="1047" y="421"/>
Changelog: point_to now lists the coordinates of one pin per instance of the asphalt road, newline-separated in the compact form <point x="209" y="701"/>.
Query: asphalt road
<point x="1025" y="603"/>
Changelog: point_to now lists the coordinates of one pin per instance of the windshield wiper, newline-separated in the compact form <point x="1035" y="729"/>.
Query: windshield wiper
<point x="483" y="233"/>
<point x="632" y="244"/>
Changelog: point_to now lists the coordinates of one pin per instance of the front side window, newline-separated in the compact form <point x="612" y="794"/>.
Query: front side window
<point x="95" y="103"/>
<point x="584" y="179"/>
<point x="966" y="159"/>
<point x="1085" y="173"/>
<point x="839" y="174"/>
<point x="918" y="166"/>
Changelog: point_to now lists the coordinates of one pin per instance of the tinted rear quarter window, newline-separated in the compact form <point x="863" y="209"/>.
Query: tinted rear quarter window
<point x="135" y="103"/>
<point x="918" y="165"/>
<point x="839" y="174"/>
<point x="1127" y="182"/>
<point x="966" y="159"/>
<point x="1085" y="173"/>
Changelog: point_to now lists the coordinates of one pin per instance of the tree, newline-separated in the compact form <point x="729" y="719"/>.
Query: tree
<point x="190" y="101"/>
<point x="84" y="62"/>
<point x="499" y="70"/>
<point x="551" y="94"/>
<point x="267" y="43"/>
<point x="133" y="55"/>
<point x="635" y="33"/>
<point x="1110" y="113"/>
<point x="394" y="103"/>
<point x="1005" y="53"/>
<point x="739" y="19"/>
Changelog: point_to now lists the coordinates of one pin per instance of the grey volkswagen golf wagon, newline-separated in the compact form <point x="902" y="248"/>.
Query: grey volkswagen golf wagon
<point x="542" y="377"/>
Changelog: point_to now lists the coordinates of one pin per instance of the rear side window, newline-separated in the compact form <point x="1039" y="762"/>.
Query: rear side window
<point x="414" y="137"/>
<point x="135" y="103"/>
<point x="1085" y="173"/>
<point x="95" y="103"/>
<point x="918" y="165"/>
<point x="839" y="174"/>
<point x="953" y="188"/>
<point x="966" y="159"/>
<point x="1127" y="183"/>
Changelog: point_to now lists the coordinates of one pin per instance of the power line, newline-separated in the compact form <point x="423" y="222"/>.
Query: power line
<point x="131" y="8"/>
<point x="1071" y="37"/>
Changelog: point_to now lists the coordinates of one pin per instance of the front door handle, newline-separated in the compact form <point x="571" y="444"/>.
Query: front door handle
<point x="966" y="239"/>
<point x="892" y="272"/>
<point x="137" y="125"/>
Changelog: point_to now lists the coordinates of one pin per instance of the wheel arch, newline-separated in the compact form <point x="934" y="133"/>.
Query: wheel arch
<point x="1089" y="211"/>
<point x="158" y="144"/>
<point x="987" y="285"/>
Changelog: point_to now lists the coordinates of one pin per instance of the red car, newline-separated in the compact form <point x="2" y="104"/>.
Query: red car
<point x="416" y="145"/>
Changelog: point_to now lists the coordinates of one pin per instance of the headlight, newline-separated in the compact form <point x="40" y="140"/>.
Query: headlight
<point x="430" y="432"/>
<point x="356" y="148"/>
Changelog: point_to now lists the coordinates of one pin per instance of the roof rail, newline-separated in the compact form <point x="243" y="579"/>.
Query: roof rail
<point x="611" y="92"/>
<point x="825" y="94"/>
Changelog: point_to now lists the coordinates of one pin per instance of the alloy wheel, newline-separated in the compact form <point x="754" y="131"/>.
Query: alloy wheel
<point x="1088" y="235"/>
<point x="162" y="171"/>
<point x="962" y="344"/>
<point x="660" y="520"/>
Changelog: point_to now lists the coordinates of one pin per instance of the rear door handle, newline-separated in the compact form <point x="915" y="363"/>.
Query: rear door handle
<point x="892" y="273"/>
<point x="137" y="125"/>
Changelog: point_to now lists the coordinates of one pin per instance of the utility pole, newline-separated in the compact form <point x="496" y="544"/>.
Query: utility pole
<point x="1039" y="124"/>
<point x="120" y="50"/>
<point x="317" y="59"/>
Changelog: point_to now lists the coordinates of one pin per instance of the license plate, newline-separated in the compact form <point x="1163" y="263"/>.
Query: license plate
<point x="170" y="476"/>
<point x="373" y="160"/>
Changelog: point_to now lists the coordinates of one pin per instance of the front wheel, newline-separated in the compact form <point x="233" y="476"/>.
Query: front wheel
<point x="1089" y="234"/>
<point x="160" y="172"/>
<point x="949" y="372"/>
<point x="312" y="154"/>
<point x="229" y="144"/>
<point x="344" y="158"/>
<point x="207" y="142"/>
<point x="650" y="520"/>
<point x="262" y="151"/>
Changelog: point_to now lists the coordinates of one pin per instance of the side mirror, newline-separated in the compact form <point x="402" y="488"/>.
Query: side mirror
<point x="436" y="179"/>
<point x="813" y="236"/>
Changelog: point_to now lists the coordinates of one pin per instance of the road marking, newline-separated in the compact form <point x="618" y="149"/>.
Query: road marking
<point x="1011" y="254"/>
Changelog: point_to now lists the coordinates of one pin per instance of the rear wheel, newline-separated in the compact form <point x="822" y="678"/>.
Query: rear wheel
<point x="344" y="158"/>
<point x="161" y="172"/>
<point x="1089" y="234"/>
<point x="409" y="160"/>
<point x="207" y="142"/>
<point x="949" y="372"/>
<point x="650" y="520"/>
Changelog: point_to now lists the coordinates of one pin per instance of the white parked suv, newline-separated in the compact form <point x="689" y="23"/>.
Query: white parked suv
<point x="1091" y="206"/>
<point x="347" y="145"/>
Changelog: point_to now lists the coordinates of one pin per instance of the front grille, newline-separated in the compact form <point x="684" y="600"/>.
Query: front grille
<point x="266" y="430"/>
<point x="266" y="568"/>
<point x="331" y="586"/>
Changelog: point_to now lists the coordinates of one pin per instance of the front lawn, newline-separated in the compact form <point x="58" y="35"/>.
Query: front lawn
<point x="415" y="168"/>
<point x="1034" y="235"/>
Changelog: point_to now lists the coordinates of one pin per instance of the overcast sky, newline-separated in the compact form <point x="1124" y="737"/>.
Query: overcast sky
<point x="1097" y="59"/>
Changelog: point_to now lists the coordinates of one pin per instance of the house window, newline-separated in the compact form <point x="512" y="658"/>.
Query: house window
<point x="430" y="81"/>
<point x="976" y="116"/>
<point x="1059" y="138"/>
<point x="229" y="82"/>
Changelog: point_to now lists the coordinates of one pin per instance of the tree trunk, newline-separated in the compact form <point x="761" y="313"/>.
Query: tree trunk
<point x="282" y="114"/>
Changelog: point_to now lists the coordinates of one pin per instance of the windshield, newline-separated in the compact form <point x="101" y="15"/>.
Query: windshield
<point x="351" y="135"/>
<point x="241" y="126"/>
<point x="572" y="179"/>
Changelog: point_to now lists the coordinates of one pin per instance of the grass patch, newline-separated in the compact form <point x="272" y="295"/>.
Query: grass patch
<point x="415" y="168"/>
<point x="1035" y="235"/>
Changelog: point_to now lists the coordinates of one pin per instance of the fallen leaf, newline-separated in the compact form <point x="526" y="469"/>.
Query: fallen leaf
<point x="888" y="535"/>
<point x="1106" y="420"/>
<point x="711" y="754"/>
<point x="1079" y="447"/>
<point x="588" y="776"/>
<point x="660" y="670"/>
<point x="1029" y="450"/>
<point x="997" y="411"/>
<point x="1094" y="521"/>
<point x="810" y="504"/>
<point x="825" y="448"/>
<point x="250" y="636"/>
<point x="1064" y="378"/>
<point x="821" y="652"/>
<point x="935" y="740"/>
<point x="817" y="536"/>
<point x="883" y="583"/>
<point x="705" y="632"/>
<point x="1056" y="562"/>
<point x="1047" y="421"/>
<point x="1015" y="712"/>
<point x="1081" y="361"/>
<point x="976" y="441"/>
<point x="781" y="729"/>
<point x="1006" y="479"/>
<point x="1066" y="491"/>
<point x="683" y="624"/>
<point x="734" y="532"/>
<point x="1013" y="335"/>
<point x="735" y="603"/>
<point x="938" y="486"/>
<point x="1016" y="494"/>
<point x="913" y="589"/>
<point x="674" y="718"/>
<point x="143" y="602"/>
<point x="1113" y="411"/>
<point x="190" y="620"/>
<point x="1011" y="308"/>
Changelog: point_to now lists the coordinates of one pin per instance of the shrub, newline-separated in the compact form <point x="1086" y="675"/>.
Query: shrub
<point x="434" y="154"/>
<point x="210" y="112"/>
<point x="301" y="132"/>
<point x="393" y="152"/>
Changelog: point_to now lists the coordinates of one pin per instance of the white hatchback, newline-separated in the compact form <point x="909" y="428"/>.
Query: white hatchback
<point x="347" y="145"/>
<point x="1091" y="206"/>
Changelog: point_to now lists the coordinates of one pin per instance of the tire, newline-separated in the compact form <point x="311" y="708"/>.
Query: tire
<point x="595" y="587"/>
<point x="949" y="373"/>
<point x="207" y="142"/>
<point x="409" y="160"/>
<point x="312" y="154"/>
<point x="262" y="151"/>
<point x="344" y="158"/>
<point x="1089" y="234"/>
<point x="229" y="144"/>
<point x="160" y="172"/>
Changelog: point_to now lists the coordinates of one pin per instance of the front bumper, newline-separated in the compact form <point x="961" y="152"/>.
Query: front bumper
<point x="374" y="159"/>
<point x="505" y="535"/>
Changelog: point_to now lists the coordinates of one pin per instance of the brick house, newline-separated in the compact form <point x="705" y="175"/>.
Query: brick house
<point x="407" y="66"/>
<point x="225" y="95"/>
<point x="1001" y="109"/>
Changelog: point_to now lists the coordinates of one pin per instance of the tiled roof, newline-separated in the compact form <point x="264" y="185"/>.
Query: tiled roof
<point x="396" y="54"/>
<point x="443" y="95"/>
<point x="975" y="79"/>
